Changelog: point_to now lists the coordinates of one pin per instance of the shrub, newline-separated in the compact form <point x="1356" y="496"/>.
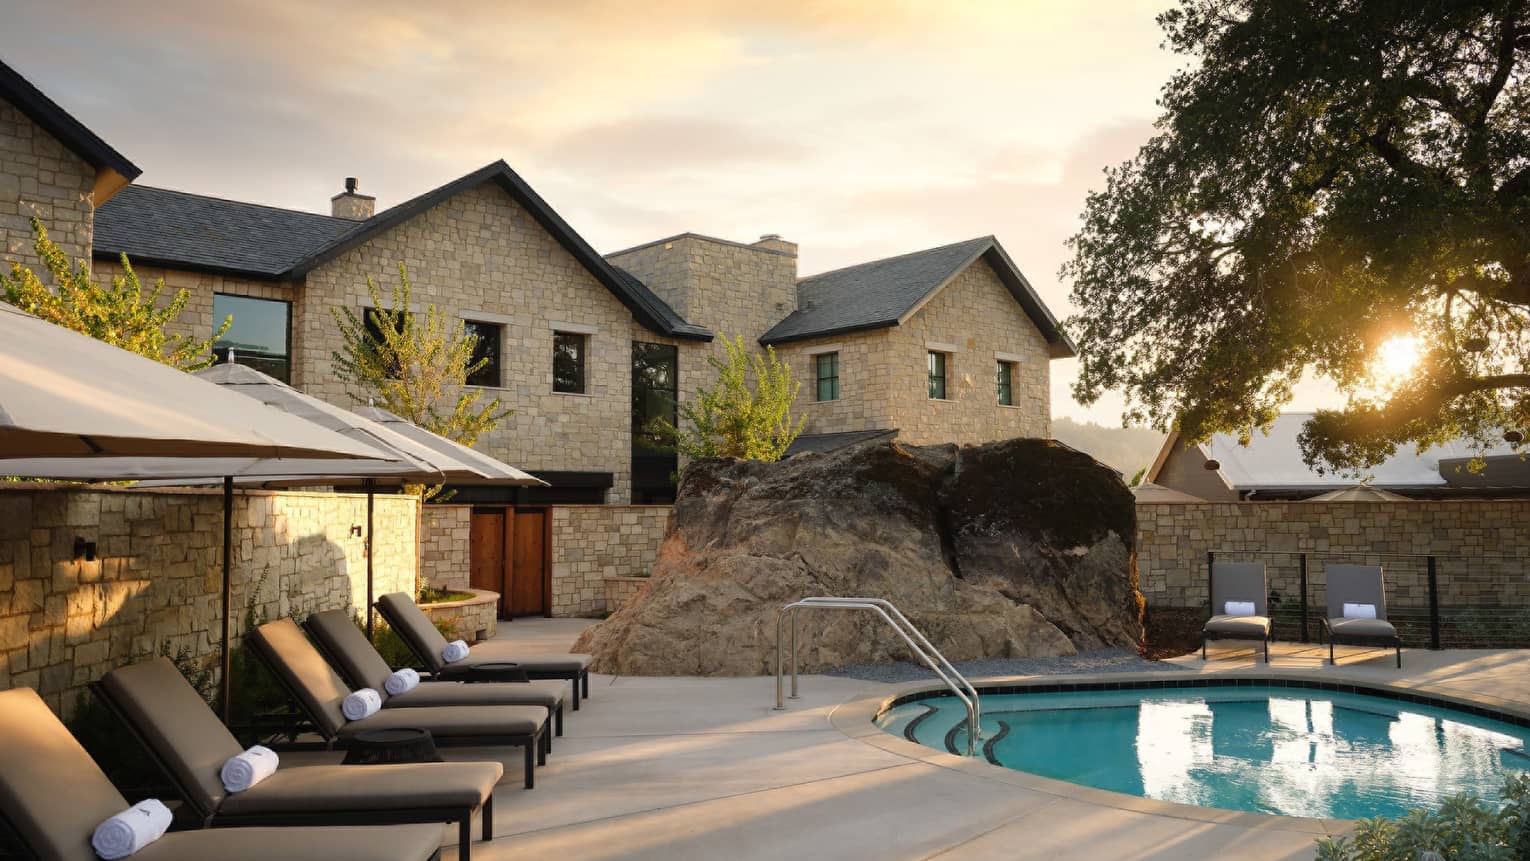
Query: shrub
<point x="1463" y="829"/>
<point x="392" y="648"/>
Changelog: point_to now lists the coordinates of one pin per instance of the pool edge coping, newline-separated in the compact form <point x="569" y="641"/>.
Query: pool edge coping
<point x="854" y="718"/>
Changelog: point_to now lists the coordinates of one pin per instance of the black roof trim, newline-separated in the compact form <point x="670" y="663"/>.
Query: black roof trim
<point x="60" y="124"/>
<point x="769" y="341"/>
<point x="647" y="308"/>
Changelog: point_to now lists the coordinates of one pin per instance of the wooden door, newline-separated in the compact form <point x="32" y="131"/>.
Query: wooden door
<point x="527" y="592"/>
<point x="486" y="545"/>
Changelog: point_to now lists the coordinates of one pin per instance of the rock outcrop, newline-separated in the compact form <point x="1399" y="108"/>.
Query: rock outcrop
<point x="1019" y="548"/>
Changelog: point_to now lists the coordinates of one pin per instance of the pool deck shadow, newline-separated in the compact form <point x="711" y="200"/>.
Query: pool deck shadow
<point x="704" y="768"/>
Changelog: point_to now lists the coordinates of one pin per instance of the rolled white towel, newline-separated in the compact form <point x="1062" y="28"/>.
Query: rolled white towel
<point x="455" y="651"/>
<point x="249" y="768"/>
<point x="401" y="682"/>
<point x="361" y="704"/>
<point x="1239" y="608"/>
<point x="1359" y="611"/>
<point x="131" y="830"/>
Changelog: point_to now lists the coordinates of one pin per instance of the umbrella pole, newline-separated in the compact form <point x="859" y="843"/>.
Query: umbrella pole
<point x="226" y="683"/>
<point x="370" y="492"/>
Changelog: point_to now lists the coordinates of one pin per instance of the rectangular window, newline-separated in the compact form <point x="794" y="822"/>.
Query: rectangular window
<point x="1006" y="383"/>
<point x="260" y="336"/>
<point x="369" y="318"/>
<point x="655" y="392"/>
<point x="826" y="368"/>
<point x="937" y="375"/>
<point x="568" y="362"/>
<point x="485" y="350"/>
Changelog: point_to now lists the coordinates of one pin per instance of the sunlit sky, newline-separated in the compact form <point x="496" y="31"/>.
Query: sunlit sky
<point x="857" y="129"/>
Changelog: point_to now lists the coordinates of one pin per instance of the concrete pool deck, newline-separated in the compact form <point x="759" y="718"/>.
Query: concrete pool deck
<point x="693" y="768"/>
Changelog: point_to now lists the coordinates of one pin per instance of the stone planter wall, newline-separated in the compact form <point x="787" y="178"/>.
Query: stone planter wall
<point x="593" y="542"/>
<point x="620" y="590"/>
<point x="156" y="578"/>
<point x="472" y="620"/>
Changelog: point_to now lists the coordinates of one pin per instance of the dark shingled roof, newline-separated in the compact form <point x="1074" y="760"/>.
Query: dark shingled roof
<point x="158" y="226"/>
<point x="61" y="125"/>
<point x="172" y="228"/>
<point x="881" y="293"/>
<point x="819" y="443"/>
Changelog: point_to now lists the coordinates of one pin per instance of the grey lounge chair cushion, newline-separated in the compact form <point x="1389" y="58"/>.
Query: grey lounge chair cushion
<point x="318" y="788"/>
<point x="411" y="623"/>
<point x="51" y="791"/>
<point x="330" y="843"/>
<point x="305" y="670"/>
<point x="176" y="724"/>
<point x="1367" y="628"/>
<point x="455" y="722"/>
<point x="1238" y="626"/>
<point x="355" y="658"/>
<point x="547" y="695"/>
<point x="1239" y="581"/>
<point x="1356" y="584"/>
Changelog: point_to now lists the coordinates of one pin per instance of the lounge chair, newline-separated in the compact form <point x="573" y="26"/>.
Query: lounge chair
<point x="348" y="651"/>
<point x="53" y="795"/>
<point x="318" y="692"/>
<point x="190" y="744"/>
<point x="415" y="629"/>
<point x="1241" y="582"/>
<point x="1359" y="584"/>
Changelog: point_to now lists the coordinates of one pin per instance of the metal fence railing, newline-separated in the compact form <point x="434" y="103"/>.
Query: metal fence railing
<point x="1434" y="600"/>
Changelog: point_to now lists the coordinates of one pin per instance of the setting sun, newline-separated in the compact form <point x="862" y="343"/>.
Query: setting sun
<point x="1397" y="356"/>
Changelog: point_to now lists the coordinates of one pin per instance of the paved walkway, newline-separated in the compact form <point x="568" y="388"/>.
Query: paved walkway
<point x="687" y="768"/>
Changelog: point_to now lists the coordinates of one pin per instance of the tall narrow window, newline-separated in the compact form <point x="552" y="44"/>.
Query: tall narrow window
<point x="1006" y="383"/>
<point x="826" y="368"/>
<point x="260" y="336"/>
<point x="937" y="375"/>
<point x="655" y="391"/>
<point x="485" y="351"/>
<point x="369" y="318"/>
<point x="568" y="362"/>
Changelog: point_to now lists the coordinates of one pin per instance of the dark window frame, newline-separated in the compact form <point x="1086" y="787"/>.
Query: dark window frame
<point x="220" y="355"/>
<point x="819" y="378"/>
<point x="1005" y="379"/>
<point x="375" y="331"/>
<point x="582" y="357"/>
<point x="940" y="376"/>
<point x="495" y="369"/>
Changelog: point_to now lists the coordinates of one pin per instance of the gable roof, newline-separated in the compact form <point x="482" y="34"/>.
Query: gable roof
<point x="886" y="292"/>
<point x="211" y="234"/>
<point x="62" y="125"/>
<point x="1273" y="462"/>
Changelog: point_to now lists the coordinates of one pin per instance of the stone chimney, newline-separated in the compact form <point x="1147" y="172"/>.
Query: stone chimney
<point x="356" y="207"/>
<point x="774" y="242"/>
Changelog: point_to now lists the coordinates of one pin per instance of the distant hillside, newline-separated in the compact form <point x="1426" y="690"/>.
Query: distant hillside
<point x="1124" y="449"/>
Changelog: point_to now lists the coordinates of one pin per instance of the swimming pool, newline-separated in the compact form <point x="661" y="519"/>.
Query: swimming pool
<point x="1285" y="750"/>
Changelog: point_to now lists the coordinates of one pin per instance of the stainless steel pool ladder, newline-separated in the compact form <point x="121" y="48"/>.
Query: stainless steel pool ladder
<point x="916" y="640"/>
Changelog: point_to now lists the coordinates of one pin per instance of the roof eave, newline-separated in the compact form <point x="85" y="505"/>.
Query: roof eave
<point x="139" y="260"/>
<point x="768" y="341"/>
<point x="59" y="123"/>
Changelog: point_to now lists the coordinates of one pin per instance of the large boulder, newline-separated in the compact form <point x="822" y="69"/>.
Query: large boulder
<point x="1013" y="549"/>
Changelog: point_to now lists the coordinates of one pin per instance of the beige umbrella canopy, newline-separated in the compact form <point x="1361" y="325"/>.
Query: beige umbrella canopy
<point x="1150" y="492"/>
<point x="1359" y="493"/>
<point x="63" y="394"/>
<point x="496" y="471"/>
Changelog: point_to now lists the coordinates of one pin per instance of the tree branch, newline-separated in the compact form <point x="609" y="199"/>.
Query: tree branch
<point x="1508" y="37"/>
<point x="1399" y="161"/>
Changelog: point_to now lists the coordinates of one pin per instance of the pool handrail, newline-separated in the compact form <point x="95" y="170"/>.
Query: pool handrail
<point x="912" y="636"/>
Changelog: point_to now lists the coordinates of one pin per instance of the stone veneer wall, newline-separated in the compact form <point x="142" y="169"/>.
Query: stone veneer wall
<point x="156" y="580"/>
<point x="884" y="381"/>
<point x="445" y="551"/>
<point x="197" y="320"/>
<point x="1480" y="547"/>
<point x="40" y="176"/>
<point x="593" y="542"/>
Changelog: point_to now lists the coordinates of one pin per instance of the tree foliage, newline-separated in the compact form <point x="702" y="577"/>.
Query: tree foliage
<point x="119" y="313"/>
<point x="737" y="418"/>
<point x="1327" y="175"/>
<point x="414" y="366"/>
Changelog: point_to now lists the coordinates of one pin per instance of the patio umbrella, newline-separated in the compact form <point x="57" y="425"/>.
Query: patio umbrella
<point x="1359" y="493"/>
<point x="497" y="471"/>
<point x="1150" y="492"/>
<point x="63" y="394"/>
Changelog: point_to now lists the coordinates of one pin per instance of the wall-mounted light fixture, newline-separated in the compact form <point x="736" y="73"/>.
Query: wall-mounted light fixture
<point x="84" y="549"/>
<point x="356" y="531"/>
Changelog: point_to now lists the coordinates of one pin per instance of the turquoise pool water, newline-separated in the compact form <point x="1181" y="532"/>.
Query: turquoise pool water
<point x="1280" y="750"/>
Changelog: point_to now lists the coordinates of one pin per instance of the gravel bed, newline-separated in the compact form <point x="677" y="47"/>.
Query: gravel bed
<point x="1097" y="661"/>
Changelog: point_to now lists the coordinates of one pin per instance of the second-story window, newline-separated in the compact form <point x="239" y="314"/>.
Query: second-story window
<point x="568" y="362"/>
<point x="826" y="369"/>
<point x="1006" y="381"/>
<point x="260" y="336"/>
<point x="486" y="351"/>
<point x="373" y="319"/>
<point x="937" y="363"/>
